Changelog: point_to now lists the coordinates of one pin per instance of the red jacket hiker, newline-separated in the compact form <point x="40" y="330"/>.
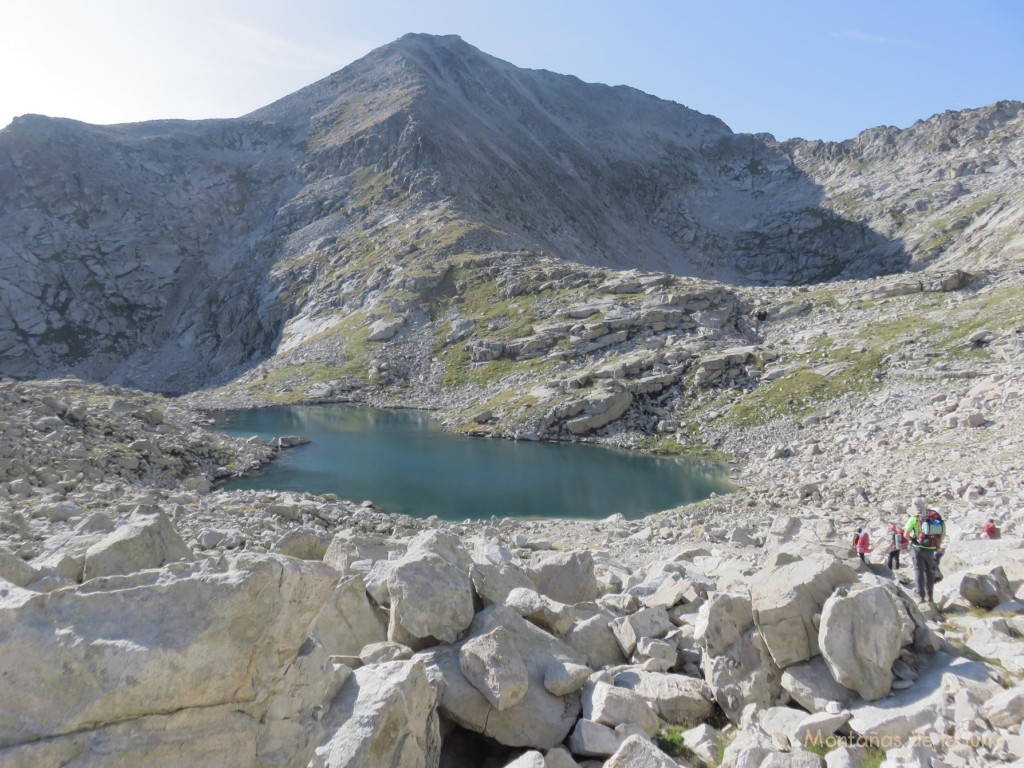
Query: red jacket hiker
<point x="860" y="543"/>
<point x="863" y="545"/>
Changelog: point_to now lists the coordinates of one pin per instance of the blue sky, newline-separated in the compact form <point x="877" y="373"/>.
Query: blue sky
<point x="818" y="70"/>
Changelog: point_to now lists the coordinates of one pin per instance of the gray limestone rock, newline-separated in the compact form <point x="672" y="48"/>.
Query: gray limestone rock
<point x="386" y="714"/>
<point x="347" y="622"/>
<point x="986" y="589"/>
<point x="785" y="601"/>
<point x="590" y="739"/>
<point x="491" y="663"/>
<point x="648" y="622"/>
<point x="638" y="752"/>
<point x="813" y="687"/>
<point x="562" y="678"/>
<point x="547" y="614"/>
<point x="613" y="706"/>
<point x="147" y="540"/>
<point x="859" y="652"/>
<point x="199" y="638"/>
<point x="677" y="699"/>
<point x="594" y="639"/>
<point x="540" y="720"/>
<point x="566" y="577"/>
<point x="430" y="592"/>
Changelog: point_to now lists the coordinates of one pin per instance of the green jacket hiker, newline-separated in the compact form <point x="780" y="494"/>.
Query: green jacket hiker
<point x="922" y="548"/>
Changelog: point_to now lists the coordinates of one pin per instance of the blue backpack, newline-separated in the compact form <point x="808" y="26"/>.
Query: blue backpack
<point x="931" y="527"/>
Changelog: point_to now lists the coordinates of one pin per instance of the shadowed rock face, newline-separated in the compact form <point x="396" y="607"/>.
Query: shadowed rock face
<point x="169" y="255"/>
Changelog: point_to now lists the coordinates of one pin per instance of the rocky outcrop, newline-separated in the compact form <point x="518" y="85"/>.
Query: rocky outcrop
<point x="144" y="670"/>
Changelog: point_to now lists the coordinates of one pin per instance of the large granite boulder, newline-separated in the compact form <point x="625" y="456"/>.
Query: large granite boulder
<point x="785" y="601"/>
<point x="348" y="547"/>
<point x="15" y="570"/>
<point x="430" y="592"/>
<point x="985" y="589"/>
<point x="188" y="658"/>
<point x="863" y="629"/>
<point x="147" y="540"/>
<point x="347" y="622"/>
<point x="386" y="714"/>
<point x="811" y="685"/>
<point x="647" y="622"/>
<point x="491" y="663"/>
<point x="613" y="706"/>
<point x="638" y="752"/>
<point x="590" y="739"/>
<point x="895" y="718"/>
<point x="677" y="699"/>
<point x="594" y="638"/>
<point x="547" y="614"/>
<point x="540" y="719"/>
<point x="566" y="577"/>
<point x="736" y="662"/>
<point x="494" y="582"/>
<point x="1006" y="708"/>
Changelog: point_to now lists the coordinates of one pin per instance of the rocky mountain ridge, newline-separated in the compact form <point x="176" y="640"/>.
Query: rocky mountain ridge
<point x="222" y="244"/>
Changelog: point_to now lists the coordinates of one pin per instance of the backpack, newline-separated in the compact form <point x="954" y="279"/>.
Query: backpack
<point x="931" y="528"/>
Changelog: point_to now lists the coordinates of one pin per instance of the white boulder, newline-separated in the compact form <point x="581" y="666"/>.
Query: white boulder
<point x="566" y="577"/>
<point x="638" y="752"/>
<point x="347" y="622"/>
<point x="386" y="714"/>
<point x="677" y="699"/>
<point x="785" y="601"/>
<point x="147" y="540"/>
<point x="612" y="706"/>
<point x="862" y="631"/>
<point x="184" y="655"/>
<point x="540" y="720"/>
<point x="492" y="665"/>
<point x="430" y="592"/>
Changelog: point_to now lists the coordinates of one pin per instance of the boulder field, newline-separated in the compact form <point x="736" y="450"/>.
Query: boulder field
<point x="147" y="619"/>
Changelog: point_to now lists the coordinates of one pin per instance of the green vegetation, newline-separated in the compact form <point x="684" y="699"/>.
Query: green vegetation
<point x="670" y="741"/>
<point x="664" y="444"/>
<point x="369" y="184"/>
<point x="1001" y="309"/>
<point x="795" y="396"/>
<point x="799" y="393"/>
<point x="668" y="445"/>
<point x="288" y="383"/>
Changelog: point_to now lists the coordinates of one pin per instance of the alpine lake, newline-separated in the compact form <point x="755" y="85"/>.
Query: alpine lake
<point x="404" y="462"/>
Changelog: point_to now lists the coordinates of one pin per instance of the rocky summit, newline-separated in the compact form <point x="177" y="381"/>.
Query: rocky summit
<point x="531" y="257"/>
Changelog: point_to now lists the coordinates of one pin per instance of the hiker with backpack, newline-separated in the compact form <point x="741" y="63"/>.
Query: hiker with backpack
<point x="861" y="543"/>
<point x="925" y="531"/>
<point x="897" y="541"/>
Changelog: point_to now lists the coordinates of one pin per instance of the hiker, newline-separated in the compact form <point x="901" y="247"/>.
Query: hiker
<point x="898" y="541"/>
<point x="861" y="543"/>
<point x="990" y="530"/>
<point x="925" y="531"/>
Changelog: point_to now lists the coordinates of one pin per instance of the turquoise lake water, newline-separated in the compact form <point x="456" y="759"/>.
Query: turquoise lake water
<point x="404" y="462"/>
